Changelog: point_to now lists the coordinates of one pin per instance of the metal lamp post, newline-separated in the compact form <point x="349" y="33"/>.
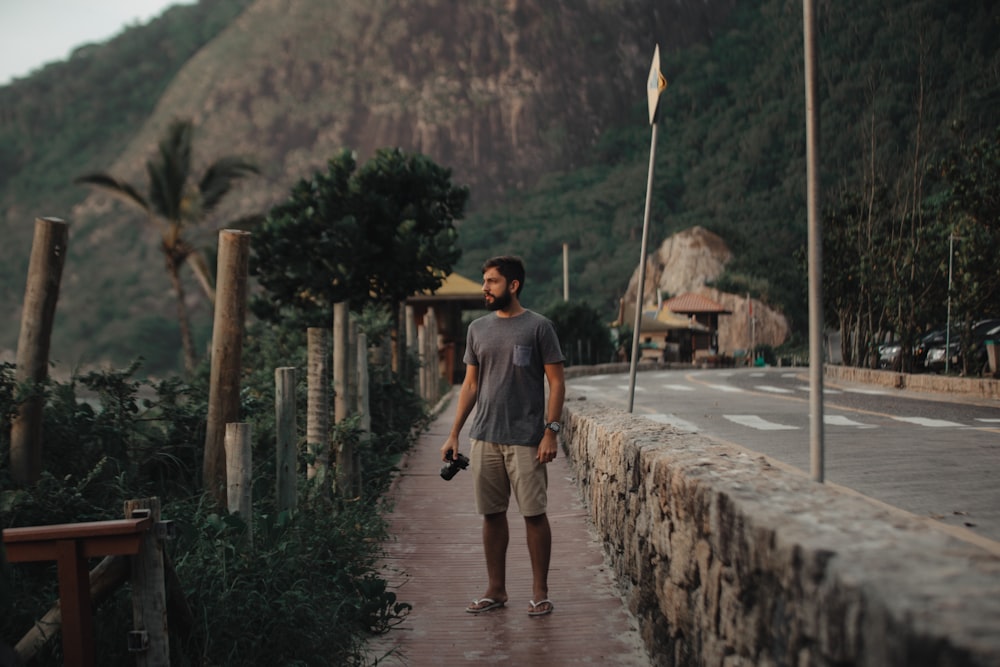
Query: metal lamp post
<point x="947" y="326"/>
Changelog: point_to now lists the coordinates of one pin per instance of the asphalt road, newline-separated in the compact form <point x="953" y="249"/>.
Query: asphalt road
<point x="934" y="456"/>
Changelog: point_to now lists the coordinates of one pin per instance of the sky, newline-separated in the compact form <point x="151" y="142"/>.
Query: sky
<point x="36" y="32"/>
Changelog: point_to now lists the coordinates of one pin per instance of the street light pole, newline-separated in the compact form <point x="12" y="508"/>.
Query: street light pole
<point x="947" y="326"/>
<point x="815" y="244"/>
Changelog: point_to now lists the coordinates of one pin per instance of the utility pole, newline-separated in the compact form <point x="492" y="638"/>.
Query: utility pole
<point x="815" y="242"/>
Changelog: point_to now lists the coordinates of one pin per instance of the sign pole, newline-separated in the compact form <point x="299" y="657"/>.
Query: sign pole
<point x="655" y="85"/>
<point x="815" y="243"/>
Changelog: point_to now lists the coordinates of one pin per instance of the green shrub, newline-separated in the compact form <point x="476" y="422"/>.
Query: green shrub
<point x="307" y="592"/>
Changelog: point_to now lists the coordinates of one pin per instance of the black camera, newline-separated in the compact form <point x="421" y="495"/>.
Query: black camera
<point x="450" y="470"/>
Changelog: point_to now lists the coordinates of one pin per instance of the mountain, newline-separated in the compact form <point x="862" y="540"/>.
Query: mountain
<point x="500" y="91"/>
<point x="537" y="105"/>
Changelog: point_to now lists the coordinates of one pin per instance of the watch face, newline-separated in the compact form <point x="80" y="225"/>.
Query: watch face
<point x="554" y="426"/>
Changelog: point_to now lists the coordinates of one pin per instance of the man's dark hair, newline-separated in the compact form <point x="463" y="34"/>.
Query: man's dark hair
<point x="510" y="267"/>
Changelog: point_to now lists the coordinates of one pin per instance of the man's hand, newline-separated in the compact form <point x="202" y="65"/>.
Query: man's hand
<point x="548" y="447"/>
<point x="450" y="446"/>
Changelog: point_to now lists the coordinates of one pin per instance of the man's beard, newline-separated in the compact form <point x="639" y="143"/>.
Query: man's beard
<point x="499" y="302"/>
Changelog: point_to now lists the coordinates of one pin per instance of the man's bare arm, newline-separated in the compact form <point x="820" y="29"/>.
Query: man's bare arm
<point x="467" y="397"/>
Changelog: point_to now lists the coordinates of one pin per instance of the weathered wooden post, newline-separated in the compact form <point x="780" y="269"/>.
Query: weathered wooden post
<point x="227" y="352"/>
<point x="364" y="412"/>
<point x="352" y="367"/>
<point x="340" y="322"/>
<point x="433" y="368"/>
<point x="285" y="431"/>
<point x="48" y="254"/>
<point x="148" y="640"/>
<point x="318" y="402"/>
<point x="410" y="328"/>
<point x="362" y="394"/>
<point x="239" y="474"/>
<point x="341" y="406"/>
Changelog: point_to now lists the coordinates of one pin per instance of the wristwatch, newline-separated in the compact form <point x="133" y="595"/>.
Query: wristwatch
<point x="555" y="427"/>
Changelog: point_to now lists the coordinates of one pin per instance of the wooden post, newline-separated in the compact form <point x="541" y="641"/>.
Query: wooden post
<point x="340" y="323"/>
<point x="239" y="474"/>
<point x="74" y="584"/>
<point x="48" y="254"/>
<point x="227" y="352"/>
<point x="148" y="640"/>
<point x="341" y="407"/>
<point x="410" y="327"/>
<point x="318" y="402"/>
<point x="364" y="412"/>
<point x="285" y="431"/>
<point x="422" y="361"/>
<point x="352" y="367"/>
<point x="104" y="579"/>
<point x="363" y="389"/>
<point x="434" y="370"/>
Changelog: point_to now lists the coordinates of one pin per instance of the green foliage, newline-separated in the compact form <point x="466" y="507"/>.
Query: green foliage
<point x="886" y="268"/>
<point x="75" y="116"/>
<point x="307" y="593"/>
<point x="175" y="203"/>
<point x="377" y="233"/>
<point x="894" y="78"/>
<point x="584" y="338"/>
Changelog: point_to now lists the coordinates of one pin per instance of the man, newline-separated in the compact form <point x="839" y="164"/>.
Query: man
<point x="509" y="355"/>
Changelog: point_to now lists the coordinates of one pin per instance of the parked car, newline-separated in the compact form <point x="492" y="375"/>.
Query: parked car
<point x="889" y="352"/>
<point x="933" y="340"/>
<point x="888" y="355"/>
<point x="935" y="353"/>
<point x="983" y="331"/>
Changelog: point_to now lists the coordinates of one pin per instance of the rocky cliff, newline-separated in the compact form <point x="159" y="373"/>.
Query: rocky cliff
<point x="690" y="261"/>
<point x="500" y="90"/>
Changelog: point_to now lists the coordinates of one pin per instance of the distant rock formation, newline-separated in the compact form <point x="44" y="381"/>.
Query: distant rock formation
<point x="687" y="262"/>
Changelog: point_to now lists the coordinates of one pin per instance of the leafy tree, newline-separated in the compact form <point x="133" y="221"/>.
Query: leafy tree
<point x="378" y="234"/>
<point x="174" y="204"/>
<point x="971" y="212"/>
<point x="583" y="336"/>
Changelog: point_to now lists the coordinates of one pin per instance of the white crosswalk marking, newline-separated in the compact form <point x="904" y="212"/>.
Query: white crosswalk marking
<point x="869" y="392"/>
<point x="674" y="421"/>
<point x="678" y="387"/>
<point x="924" y="421"/>
<point x="624" y="387"/>
<point x="725" y="387"/>
<point x="753" y="421"/>
<point x="773" y="390"/>
<point x="988" y="421"/>
<point x="807" y="389"/>
<point x="840" y="420"/>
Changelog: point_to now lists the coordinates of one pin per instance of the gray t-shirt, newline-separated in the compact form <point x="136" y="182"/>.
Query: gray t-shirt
<point x="511" y="353"/>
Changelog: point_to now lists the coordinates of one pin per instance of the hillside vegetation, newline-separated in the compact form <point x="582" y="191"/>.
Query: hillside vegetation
<point x="539" y="106"/>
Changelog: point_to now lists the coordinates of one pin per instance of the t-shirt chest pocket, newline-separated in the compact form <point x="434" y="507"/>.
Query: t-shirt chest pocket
<point x="522" y="355"/>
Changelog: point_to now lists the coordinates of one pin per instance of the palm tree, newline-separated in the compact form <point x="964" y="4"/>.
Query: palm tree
<point x="176" y="203"/>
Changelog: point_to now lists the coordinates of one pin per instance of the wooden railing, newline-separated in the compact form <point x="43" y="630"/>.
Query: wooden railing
<point x="70" y="545"/>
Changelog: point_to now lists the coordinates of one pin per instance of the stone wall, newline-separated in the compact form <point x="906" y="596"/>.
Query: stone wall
<point x="967" y="387"/>
<point x="727" y="560"/>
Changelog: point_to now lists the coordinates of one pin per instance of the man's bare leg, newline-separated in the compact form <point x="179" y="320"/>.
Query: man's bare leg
<point x="539" y="536"/>
<point x="496" y="536"/>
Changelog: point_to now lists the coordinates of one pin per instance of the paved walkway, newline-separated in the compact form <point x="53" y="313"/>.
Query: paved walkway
<point x="435" y="563"/>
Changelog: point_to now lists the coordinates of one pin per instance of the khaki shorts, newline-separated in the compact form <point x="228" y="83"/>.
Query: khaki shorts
<point x="497" y="470"/>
